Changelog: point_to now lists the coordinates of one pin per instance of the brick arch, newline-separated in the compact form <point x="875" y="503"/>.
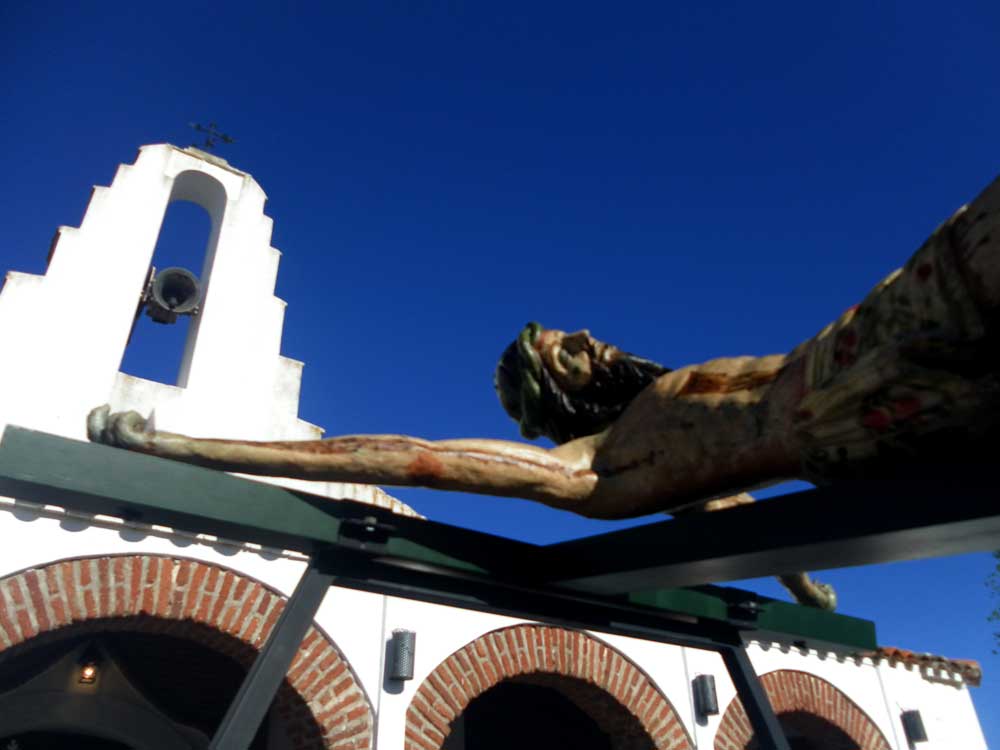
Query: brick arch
<point x="537" y="649"/>
<point x="321" y="701"/>
<point x="796" y="693"/>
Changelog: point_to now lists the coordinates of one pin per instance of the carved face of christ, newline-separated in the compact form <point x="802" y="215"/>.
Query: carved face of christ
<point x="568" y="385"/>
<point x="571" y="358"/>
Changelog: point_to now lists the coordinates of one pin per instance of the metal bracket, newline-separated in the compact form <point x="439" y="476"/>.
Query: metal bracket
<point x="755" y="701"/>
<point x="252" y="701"/>
<point x="364" y="533"/>
<point x="745" y="611"/>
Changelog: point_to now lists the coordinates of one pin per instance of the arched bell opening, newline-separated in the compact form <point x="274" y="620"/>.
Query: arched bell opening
<point x="166" y="323"/>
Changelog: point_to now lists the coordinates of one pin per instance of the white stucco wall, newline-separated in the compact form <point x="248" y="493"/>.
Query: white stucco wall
<point x="944" y="705"/>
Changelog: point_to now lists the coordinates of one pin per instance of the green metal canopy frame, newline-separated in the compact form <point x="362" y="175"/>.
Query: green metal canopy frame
<point x="650" y="582"/>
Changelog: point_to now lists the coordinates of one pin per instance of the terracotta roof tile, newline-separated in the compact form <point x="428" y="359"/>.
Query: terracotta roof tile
<point x="968" y="669"/>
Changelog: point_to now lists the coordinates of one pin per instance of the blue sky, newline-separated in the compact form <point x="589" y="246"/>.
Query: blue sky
<point x="687" y="182"/>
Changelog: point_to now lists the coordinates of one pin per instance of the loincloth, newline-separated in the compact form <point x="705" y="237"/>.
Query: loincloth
<point x="912" y="368"/>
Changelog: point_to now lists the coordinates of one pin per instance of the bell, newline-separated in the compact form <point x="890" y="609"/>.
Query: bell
<point x="173" y="292"/>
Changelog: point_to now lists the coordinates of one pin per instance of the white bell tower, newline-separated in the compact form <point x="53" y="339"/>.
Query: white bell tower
<point x="63" y="334"/>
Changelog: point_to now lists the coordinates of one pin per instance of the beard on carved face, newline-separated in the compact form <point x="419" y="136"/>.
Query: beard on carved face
<point x="533" y="397"/>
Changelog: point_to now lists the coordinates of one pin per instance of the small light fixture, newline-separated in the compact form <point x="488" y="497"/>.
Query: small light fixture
<point x="401" y="654"/>
<point x="913" y="726"/>
<point x="706" y="702"/>
<point x="88" y="663"/>
<point x="88" y="673"/>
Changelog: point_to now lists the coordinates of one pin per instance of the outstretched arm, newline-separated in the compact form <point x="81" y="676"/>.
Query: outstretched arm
<point x="561" y="478"/>
<point x="650" y="466"/>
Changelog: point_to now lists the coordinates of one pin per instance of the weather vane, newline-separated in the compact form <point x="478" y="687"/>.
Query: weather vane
<point x="212" y="135"/>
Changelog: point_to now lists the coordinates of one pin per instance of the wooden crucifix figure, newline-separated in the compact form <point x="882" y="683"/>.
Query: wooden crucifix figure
<point x="908" y="377"/>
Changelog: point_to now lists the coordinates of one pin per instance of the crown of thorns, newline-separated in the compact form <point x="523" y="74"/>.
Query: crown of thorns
<point x="518" y="381"/>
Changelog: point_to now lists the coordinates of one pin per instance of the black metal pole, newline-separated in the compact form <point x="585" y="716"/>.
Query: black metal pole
<point x="247" y="711"/>
<point x="758" y="707"/>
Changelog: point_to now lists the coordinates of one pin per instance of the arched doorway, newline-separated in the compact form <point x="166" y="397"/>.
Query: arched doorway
<point x="496" y="682"/>
<point x="543" y="711"/>
<point x="124" y="685"/>
<point x="59" y="741"/>
<point x="171" y="627"/>
<point x="806" y="731"/>
<point x="814" y="714"/>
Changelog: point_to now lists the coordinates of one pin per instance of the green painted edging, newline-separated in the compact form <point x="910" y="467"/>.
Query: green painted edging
<point x="98" y="479"/>
<point x="788" y="620"/>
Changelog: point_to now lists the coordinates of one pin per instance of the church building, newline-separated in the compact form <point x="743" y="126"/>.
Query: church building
<point x="119" y="634"/>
